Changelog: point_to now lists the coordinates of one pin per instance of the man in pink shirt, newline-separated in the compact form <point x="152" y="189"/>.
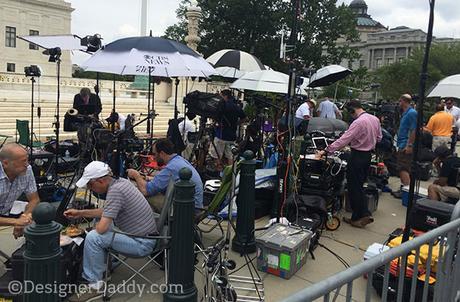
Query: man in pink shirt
<point x="362" y="136"/>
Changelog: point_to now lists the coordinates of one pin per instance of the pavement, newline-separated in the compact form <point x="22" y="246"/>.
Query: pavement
<point x="348" y="242"/>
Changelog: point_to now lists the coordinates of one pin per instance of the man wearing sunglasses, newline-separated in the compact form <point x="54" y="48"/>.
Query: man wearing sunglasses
<point x="127" y="209"/>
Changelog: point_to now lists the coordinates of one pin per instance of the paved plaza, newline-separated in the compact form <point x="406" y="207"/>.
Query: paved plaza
<point x="348" y="242"/>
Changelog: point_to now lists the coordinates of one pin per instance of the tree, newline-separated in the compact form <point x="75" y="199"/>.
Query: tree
<point x="404" y="77"/>
<point x="321" y="24"/>
<point x="255" y="26"/>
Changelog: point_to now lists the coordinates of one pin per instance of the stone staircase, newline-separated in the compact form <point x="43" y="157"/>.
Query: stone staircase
<point x="16" y="105"/>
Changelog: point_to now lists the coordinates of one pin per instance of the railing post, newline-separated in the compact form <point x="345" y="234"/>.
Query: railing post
<point x="42" y="255"/>
<point x="244" y="241"/>
<point x="181" y="254"/>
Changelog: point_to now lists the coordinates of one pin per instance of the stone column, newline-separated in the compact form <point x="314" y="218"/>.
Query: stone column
<point x="193" y="15"/>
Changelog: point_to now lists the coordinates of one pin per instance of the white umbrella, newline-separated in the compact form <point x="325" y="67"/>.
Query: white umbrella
<point x="230" y="72"/>
<point x="264" y="80"/>
<point x="447" y="87"/>
<point x="327" y="75"/>
<point x="149" y="56"/>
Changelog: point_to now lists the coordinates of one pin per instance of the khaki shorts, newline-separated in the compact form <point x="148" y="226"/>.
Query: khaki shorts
<point x="441" y="140"/>
<point x="403" y="161"/>
<point x="224" y="149"/>
<point x="446" y="192"/>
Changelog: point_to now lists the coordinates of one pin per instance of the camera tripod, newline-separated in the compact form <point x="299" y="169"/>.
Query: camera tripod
<point x="201" y="147"/>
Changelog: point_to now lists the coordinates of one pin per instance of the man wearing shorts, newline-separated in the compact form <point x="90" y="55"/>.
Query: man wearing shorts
<point x="231" y="115"/>
<point x="445" y="186"/>
<point x="406" y="136"/>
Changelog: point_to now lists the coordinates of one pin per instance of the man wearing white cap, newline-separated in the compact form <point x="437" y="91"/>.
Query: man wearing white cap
<point x="127" y="209"/>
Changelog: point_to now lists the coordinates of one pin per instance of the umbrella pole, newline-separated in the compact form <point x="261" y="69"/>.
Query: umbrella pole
<point x="148" y="103"/>
<point x="152" y="111"/>
<point x="113" y="102"/>
<point x="176" y="112"/>
<point x="335" y="92"/>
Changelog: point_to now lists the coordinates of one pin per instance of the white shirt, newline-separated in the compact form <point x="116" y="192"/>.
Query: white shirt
<point x="122" y="121"/>
<point x="303" y="110"/>
<point x="455" y="111"/>
<point x="327" y="109"/>
<point x="184" y="130"/>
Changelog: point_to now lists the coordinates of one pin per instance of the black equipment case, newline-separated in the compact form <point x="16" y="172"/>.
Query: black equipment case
<point x="427" y="214"/>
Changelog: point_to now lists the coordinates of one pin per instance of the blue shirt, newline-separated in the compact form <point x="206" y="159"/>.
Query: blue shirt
<point x="160" y="182"/>
<point x="407" y="124"/>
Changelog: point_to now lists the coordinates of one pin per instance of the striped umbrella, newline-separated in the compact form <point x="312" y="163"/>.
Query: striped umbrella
<point x="237" y="59"/>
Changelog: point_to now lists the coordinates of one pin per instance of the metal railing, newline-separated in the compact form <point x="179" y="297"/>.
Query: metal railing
<point x="444" y="239"/>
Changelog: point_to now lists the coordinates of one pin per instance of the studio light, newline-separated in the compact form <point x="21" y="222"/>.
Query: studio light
<point x="54" y="53"/>
<point x="93" y="43"/>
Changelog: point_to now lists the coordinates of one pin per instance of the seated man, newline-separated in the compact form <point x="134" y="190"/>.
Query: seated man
<point x="125" y="208"/>
<point x="16" y="177"/>
<point x="163" y="151"/>
<point x="445" y="186"/>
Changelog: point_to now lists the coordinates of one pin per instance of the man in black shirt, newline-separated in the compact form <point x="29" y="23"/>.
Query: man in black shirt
<point x="87" y="103"/>
<point x="231" y="115"/>
<point x="445" y="186"/>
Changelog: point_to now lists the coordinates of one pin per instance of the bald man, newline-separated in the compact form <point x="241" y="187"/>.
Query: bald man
<point x="16" y="177"/>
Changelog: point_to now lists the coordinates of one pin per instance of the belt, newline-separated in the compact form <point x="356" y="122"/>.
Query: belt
<point x="359" y="151"/>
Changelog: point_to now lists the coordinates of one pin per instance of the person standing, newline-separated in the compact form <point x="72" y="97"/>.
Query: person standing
<point x="440" y="126"/>
<point x="455" y="111"/>
<point x="406" y="137"/>
<point x="87" y="103"/>
<point x="230" y="116"/>
<point x="362" y="136"/>
<point x="186" y="127"/>
<point x="328" y="109"/>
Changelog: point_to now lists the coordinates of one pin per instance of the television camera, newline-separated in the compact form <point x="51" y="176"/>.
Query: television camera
<point x="204" y="104"/>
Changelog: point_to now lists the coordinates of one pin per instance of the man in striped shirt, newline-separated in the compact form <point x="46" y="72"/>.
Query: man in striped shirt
<point x="362" y="136"/>
<point x="127" y="209"/>
<point x="16" y="177"/>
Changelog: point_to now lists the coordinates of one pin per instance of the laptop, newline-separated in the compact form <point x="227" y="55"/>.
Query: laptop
<point x="320" y="143"/>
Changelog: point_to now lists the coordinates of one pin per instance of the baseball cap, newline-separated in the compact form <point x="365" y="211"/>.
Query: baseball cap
<point x="94" y="169"/>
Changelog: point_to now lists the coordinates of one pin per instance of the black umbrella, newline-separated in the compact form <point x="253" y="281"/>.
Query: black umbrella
<point x="327" y="75"/>
<point x="326" y="125"/>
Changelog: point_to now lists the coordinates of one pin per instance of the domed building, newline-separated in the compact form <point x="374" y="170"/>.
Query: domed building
<point x="378" y="45"/>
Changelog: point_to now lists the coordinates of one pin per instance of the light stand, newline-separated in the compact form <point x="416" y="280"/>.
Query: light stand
<point x="31" y="142"/>
<point x="176" y="112"/>
<point x="55" y="56"/>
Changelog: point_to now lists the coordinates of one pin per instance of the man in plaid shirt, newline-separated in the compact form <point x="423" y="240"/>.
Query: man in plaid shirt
<point x="16" y="177"/>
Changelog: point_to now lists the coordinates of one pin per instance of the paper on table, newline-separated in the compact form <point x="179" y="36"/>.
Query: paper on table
<point x="78" y="240"/>
<point x="18" y="207"/>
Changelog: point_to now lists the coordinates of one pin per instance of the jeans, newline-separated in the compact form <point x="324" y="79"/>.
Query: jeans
<point x="357" y="171"/>
<point x="95" y="251"/>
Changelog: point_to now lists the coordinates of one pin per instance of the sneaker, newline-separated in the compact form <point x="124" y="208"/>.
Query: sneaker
<point x="86" y="296"/>
<point x="360" y="223"/>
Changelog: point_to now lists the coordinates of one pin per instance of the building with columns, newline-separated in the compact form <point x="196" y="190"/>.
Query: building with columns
<point x="32" y="17"/>
<point x="378" y="45"/>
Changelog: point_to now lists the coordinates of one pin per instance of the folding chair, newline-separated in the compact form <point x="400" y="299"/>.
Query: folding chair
<point x="161" y="246"/>
<point x="22" y="129"/>
<point x="215" y="206"/>
<point x="3" y="139"/>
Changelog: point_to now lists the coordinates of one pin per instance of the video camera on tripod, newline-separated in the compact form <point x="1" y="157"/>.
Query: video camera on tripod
<point x="204" y="104"/>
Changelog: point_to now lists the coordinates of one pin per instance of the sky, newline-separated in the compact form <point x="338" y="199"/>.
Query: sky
<point x="114" y="19"/>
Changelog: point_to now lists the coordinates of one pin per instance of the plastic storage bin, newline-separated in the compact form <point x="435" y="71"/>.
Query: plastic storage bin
<point x="282" y="250"/>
